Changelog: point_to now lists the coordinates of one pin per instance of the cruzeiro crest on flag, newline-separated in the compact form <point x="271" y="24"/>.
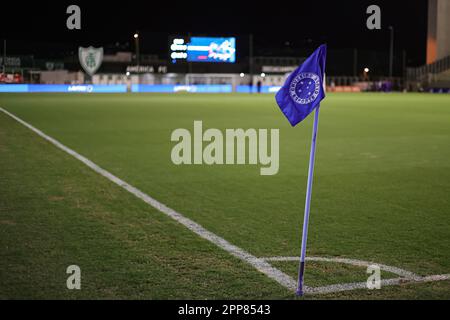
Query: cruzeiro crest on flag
<point x="90" y="59"/>
<point x="305" y="88"/>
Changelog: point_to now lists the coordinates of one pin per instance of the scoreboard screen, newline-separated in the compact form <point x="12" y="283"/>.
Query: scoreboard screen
<point x="204" y="49"/>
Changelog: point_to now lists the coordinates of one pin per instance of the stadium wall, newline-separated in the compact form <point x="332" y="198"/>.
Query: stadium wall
<point x="78" y="88"/>
<point x="156" y="88"/>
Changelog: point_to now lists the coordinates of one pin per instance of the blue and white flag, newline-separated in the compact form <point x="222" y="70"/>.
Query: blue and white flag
<point x="304" y="88"/>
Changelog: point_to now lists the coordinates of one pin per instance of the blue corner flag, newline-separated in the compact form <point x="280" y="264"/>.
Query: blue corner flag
<point x="303" y="89"/>
<point x="299" y="96"/>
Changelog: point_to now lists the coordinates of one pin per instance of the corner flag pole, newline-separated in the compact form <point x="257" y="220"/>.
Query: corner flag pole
<point x="312" y="155"/>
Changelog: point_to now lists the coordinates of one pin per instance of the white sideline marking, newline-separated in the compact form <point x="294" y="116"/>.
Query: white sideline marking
<point x="258" y="263"/>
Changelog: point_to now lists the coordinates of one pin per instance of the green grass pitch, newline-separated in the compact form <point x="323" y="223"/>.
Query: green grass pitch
<point x="381" y="193"/>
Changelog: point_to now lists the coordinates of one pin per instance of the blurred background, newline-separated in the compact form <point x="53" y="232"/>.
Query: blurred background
<point x="242" y="47"/>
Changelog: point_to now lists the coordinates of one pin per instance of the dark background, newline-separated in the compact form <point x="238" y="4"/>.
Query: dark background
<point x="279" y="28"/>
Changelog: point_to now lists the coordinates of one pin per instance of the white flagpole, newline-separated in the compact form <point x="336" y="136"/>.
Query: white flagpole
<point x="301" y="271"/>
<point x="312" y="155"/>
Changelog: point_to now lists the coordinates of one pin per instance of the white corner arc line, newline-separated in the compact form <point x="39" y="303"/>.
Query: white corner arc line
<point x="259" y="264"/>
<point x="405" y="276"/>
<point x="363" y="285"/>
<point x="354" y="262"/>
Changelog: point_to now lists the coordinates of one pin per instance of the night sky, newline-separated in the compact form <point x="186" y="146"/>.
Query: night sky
<point x="279" y="27"/>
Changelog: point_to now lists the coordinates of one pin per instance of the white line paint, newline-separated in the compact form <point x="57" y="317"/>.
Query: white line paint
<point x="405" y="276"/>
<point x="354" y="262"/>
<point x="258" y="263"/>
<point x="363" y="285"/>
